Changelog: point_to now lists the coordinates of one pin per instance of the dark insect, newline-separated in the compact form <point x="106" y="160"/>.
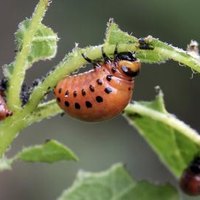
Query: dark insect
<point x="190" y="180"/>
<point x="144" y="45"/>
<point x="101" y="93"/>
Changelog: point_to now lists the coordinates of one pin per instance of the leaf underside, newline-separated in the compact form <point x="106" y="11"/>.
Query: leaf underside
<point x="173" y="147"/>
<point x="51" y="151"/>
<point x="115" y="184"/>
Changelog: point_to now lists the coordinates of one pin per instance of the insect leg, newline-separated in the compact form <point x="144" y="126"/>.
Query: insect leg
<point x="93" y="62"/>
<point x="105" y="57"/>
<point x="116" y="51"/>
<point x="87" y="59"/>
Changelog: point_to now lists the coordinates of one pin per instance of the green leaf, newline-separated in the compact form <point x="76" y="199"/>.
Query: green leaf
<point x="116" y="36"/>
<point x="115" y="184"/>
<point x="167" y="192"/>
<point x="175" y="142"/>
<point x="51" y="151"/>
<point x="44" y="44"/>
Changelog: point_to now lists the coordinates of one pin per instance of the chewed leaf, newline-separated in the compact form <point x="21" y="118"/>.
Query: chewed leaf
<point x="51" y="151"/>
<point x="175" y="142"/>
<point x="115" y="184"/>
<point x="115" y="36"/>
<point x="44" y="44"/>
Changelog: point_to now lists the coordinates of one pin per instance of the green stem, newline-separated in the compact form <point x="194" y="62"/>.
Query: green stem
<point x="181" y="57"/>
<point x="165" y="118"/>
<point x="45" y="110"/>
<point x="167" y="51"/>
<point x="10" y="128"/>
<point x="19" y="69"/>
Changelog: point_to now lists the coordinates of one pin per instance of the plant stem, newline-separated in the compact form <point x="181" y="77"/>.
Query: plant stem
<point x="10" y="128"/>
<point x="13" y="125"/>
<point x="45" y="110"/>
<point x="19" y="69"/>
<point x="181" y="57"/>
<point x="166" y="52"/>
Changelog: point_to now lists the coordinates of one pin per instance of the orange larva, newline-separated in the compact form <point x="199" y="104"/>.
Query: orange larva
<point x="190" y="179"/>
<point x="4" y="111"/>
<point x="101" y="93"/>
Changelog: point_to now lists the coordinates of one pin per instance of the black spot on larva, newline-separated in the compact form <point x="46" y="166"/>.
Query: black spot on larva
<point x="99" y="99"/>
<point x="99" y="82"/>
<point x="91" y="88"/>
<point x="108" y="90"/>
<point x="58" y="99"/>
<point x="75" y="93"/>
<point x="109" y="77"/>
<point x="67" y="93"/>
<point x="66" y="103"/>
<point x="77" y="106"/>
<point x="88" y="104"/>
<point x="59" y="90"/>
<point x="129" y="88"/>
<point x="83" y="92"/>
<point x="114" y="69"/>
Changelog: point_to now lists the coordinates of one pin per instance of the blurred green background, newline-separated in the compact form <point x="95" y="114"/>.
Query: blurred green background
<point x="99" y="145"/>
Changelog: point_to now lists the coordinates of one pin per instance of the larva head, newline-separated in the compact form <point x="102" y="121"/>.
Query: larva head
<point x="128" y="64"/>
